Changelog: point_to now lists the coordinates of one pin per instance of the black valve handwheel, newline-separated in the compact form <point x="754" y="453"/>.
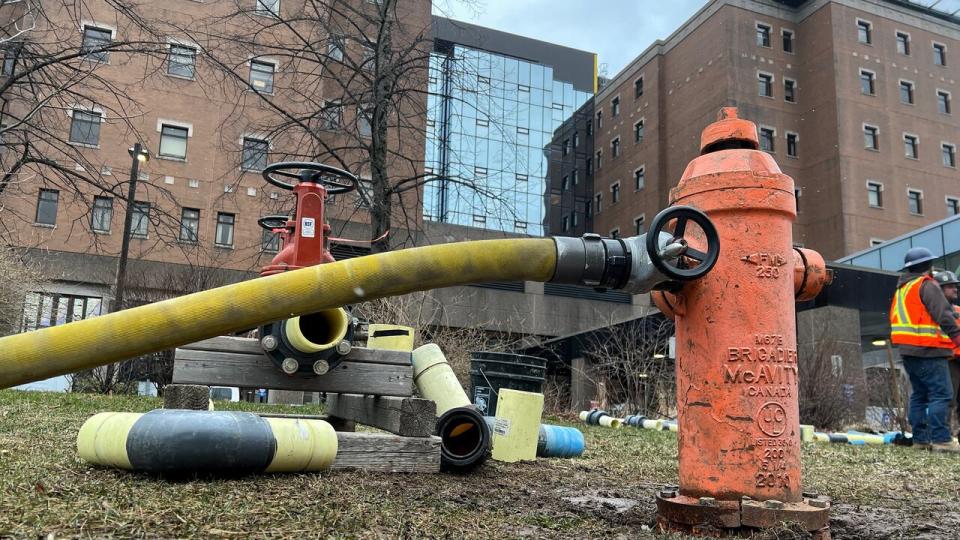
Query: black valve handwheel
<point x="334" y="180"/>
<point x="681" y="269"/>
<point x="273" y="222"/>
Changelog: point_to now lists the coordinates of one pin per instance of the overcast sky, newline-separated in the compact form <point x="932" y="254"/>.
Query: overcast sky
<point x="617" y="30"/>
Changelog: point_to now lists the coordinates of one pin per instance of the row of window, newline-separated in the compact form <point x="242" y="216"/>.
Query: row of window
<point x="787" y="37"/>
<point x="85" y="129"/>
<point x="911" y="145"/>
<point x="904" y="43"/>
<point x="101" y="221"/>
<point x="868" y="86"/>
<point x="766" y="80"/>
<point x="914" y="199"/>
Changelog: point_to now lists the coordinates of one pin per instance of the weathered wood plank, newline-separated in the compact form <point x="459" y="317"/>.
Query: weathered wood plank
<point x="256" y="371"/>
<point x="186" y="396"/>
<point x="409" y="417"/>
<point x="250" y="346"/>
<point x="387" y="453"/>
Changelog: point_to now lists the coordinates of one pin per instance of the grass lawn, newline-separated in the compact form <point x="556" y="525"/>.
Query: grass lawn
<point x="879" y="492"/>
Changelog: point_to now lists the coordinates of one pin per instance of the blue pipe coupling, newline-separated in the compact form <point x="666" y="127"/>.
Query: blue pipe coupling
<point x="554" y="441"/>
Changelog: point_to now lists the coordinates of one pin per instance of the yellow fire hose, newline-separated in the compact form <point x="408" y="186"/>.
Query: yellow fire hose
<point x="67" y="348"/>
<point x="636" y="264"/>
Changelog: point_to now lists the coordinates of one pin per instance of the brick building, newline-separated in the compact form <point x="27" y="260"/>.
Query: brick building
<point x="214" y="92"/>
<point x="852" y="97"/>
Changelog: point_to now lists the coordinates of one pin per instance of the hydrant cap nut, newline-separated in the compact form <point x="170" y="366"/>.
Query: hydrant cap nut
<point x="729" y="131"/>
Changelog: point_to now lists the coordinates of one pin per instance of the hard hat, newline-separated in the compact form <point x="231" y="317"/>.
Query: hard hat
<point x="946" y="278"/>
<point x="916" y="256"/>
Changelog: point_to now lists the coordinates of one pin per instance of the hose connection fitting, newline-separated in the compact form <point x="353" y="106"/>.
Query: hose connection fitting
<point x="670" y="254"/>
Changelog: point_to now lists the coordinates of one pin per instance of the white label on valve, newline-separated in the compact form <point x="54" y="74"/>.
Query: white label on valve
<point x="501" y="426"/>
<point x="308" y="227"/>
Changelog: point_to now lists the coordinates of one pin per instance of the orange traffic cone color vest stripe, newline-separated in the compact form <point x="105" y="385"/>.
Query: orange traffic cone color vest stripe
<point x="910" y="323"/>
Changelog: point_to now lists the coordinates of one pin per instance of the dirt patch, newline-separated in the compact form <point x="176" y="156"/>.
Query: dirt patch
<point x="930" y="520"/>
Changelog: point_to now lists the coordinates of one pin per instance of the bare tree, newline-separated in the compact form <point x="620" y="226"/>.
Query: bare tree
<point x="351" y="89"/>
<point x="19" y="278"/>
<point x="634" y="367"/>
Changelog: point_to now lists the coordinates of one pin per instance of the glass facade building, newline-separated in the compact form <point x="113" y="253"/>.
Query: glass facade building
<point x="490" y="120"/>
<point x="942" y="238"/>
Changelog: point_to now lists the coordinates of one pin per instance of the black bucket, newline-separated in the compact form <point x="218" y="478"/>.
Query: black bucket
<point x="490" y="372"/>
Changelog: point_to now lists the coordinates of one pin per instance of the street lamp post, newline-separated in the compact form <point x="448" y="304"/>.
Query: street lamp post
<point x="138" y="153"/>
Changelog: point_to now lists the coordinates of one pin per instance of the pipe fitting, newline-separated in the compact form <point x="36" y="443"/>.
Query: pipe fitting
<point x="290" y="366"/>
<point x="321" y="367"/>
<point x="269" y="343"/>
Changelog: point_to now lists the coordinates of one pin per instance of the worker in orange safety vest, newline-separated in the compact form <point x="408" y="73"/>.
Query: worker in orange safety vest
<point x="948" y="282"/>
<point x="923" y="326"/>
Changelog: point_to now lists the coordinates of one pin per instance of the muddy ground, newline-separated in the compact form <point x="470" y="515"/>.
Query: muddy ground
<point x="45" y="490"/>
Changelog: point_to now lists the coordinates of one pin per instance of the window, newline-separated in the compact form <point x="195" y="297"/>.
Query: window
<point x="255" y="154"/>
<point x="588" y="208"/>
<point x="797" y="192"/>
<point x="864" y="32"/>
<point x="574" y="219"/>
<point x="94" y="40"/>
<point x="268" y="7"/>
<point x="140" y="222"/>
<point x="599" y="119"/>
<point x="939" y="54"/>
<point x="766" y="139"/>
<point x="181" y="61"/>
<point x="763" y="35"/>
<point x="565" y="183"/>
<point x="638" y="87"/>
<point x="615" y="233"/>
<point x="224" y="229"/>
<point x="638" y="223"/>
<point x="270" y="241"/>
<point x="598" y="202"/>
<point x="949" y="153"/>
<point x="787" y="36"/>
<point x="766" y="84"/>
<point x="335" y="48"/>
<point x="331" y="116"/>
<point x="85" y="127"/>
<point x="792" y="144"/>
<point x="589" y="166"/>
<point x="189" y="225"/>
<point x="261" y="76"/>
<point x="790" y="90"/>
<point x="953" y="206"/>
<point x="173" y="141"/>
<point x="868" y="82"/>
<point x="875" y="194"/>
<point x="589" y="127"/>
<point x="615" y="193"/>
<point x="638" y="131"/>
<point x="47" y="207"/>
<point x="615" y="105"/>
<point x="574" y="177"/>
<point x="911" y="146"/>
<point x="566" y="146"/>
<point x="871" y="138"/>
<point x="576" y="139"/>
<point x="10" y="53"/>
<point x="943" y="102"/>
<point x="369" y="52"/>
<point x="906" y="92"/>
<point x="915" y="199"/>
<point x="566" y="223"/>
<point x="102" y="214"/>
<point x="903" y="43"/>
<point x="639" y="179"/>
<point x="615" y="147"/>
<point x="364" y="126"/>
<point x="599" y="158"/>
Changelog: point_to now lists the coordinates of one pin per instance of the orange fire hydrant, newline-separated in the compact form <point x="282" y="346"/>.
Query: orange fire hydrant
<point x="736" y="346"/>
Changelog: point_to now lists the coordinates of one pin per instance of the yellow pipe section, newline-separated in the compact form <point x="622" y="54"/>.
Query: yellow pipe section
<point x="436" y="380"/>
<point x="67" y="348"/>
<point x="335" y="320"/>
